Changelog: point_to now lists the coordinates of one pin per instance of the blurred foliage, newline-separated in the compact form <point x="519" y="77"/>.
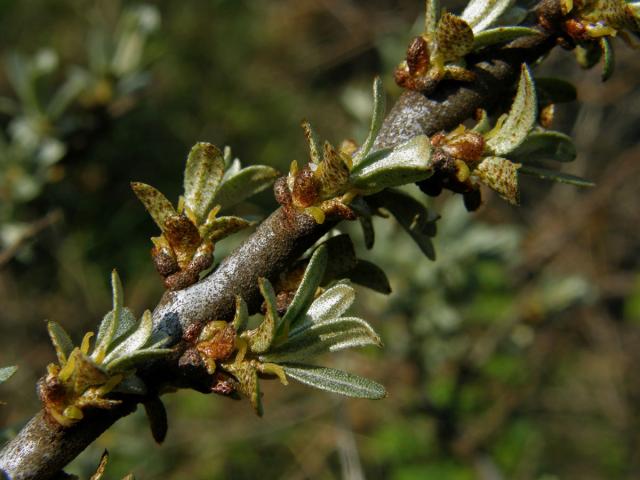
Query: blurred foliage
<point x="511" y="356"/>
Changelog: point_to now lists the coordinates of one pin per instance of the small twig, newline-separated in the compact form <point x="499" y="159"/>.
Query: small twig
<point x="32" y="231"/>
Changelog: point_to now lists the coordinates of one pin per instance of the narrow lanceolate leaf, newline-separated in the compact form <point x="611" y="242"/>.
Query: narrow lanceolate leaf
<point x="331" y="304"/>
<point x="480" y="14"/>
<point x="61" y="342"/>
<point x="131" y="361"/>
<point x="335" y="381"/>
<point x="454" y="37"/>
<point x="407" y="163"/>
<point x="307" y="289"/>
<point x="520" y="118"/>
<point x="202" y="175"/>
<point x="315" y="145"/>
<point x="501" y="35"/>
<point x="126" y="326"/>
<point x="545" y="145"/>
<point x="328" y="336"/>
<point x="501" y="175"/>
<point x="376" y="121"/>
<point x="609" y="58"/>
<point x="7" y="372"/>
<point x="555" y="90"/>
<point x="133" y="342"/>
<point x="104" y="459"/>
<point x="157" y="416"/>
<point x="412" y="215"/>
<point x="341" y="258"/>
<point x="109" y="325"/>
<point x="260" y="339"/>
<point x="241" y="316"/>
<point x="367" y="231"/>
<point x="244" y="184"/>
<point x="432" y="11"/>
<point x="484" y="124"/>
<point x="371" y="276"/>
<point x="222" y="227"/>
<point x="155" y="202"/>
<point x="555" y="176"/>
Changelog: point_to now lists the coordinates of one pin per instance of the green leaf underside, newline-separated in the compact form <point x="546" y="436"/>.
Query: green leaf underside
<point x="335" y="381"/>
<point x="131" y="360"/>
<point x="109" y="325"/>
<point x="7" y="372"/>
<point x="315" y="145"/>
<point x="520" y="118"/>
<point x="341" y="257"/>
<point x="407" y="163"/>
<point x="560" y="177"/>
<point x="331" y="304"/>
<point x="379" y="106"/>
<point x="202" y="176"/>
<point x="480" y="14"/>
<point x="412" y="216"/>
<point x="306" y="290"/>
<point x="133" y="342"/>
<point x="244" y="184"/>
<point x="501" y="35"/>
<point x="241" y="316"/>
<point x="370" y="275"/>
<point x="155" y="202"/>
<point x="545" y="146"/>
<point x="61" y="341"/>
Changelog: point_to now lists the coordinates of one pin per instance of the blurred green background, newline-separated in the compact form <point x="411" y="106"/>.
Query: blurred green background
<point x="514" y="355"/>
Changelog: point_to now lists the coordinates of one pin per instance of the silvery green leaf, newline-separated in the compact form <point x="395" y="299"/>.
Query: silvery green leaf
<point x="307" y="289"/>
<point x="431" y="14"/>
<point x="132" y="385"/>
<point x="377" y="117"/>
<point x="7" y="372"/>
<point x="130" y="361"/>
<point x="109" y="325"/>
<point x="202" y="176"/>
<point x="555" y="176"/>
<point x="501" y="35"/>
<point x="407" y="163"/>
<point x="61" y="341"/>
<point x="241" y="316"/>
<point x="155" y="202"/>
<point x="555" y="90"/>
<point x="371" y="276"/>
<point x="261" y="338"/>
<point x="133" y="342"/>
<point x="244" y="184"/>
<point x="501" y="175"/>
<point x="331" y="304"/>
<point x="520" y="118"/>
<point x="412" y="216"/>
<point x="545" y="145"/>
<point x="335" y="381"/>
<point x="315" y="145"/>
<point x="157" y="415"/>
<point x="222" y="227"/>
<point x="480" y="14"/>
<point x="609" y="58"/>
<point x="126" y="325"/>
<point x="330" y="335"/>
<point x="367" y="231"/>
<point x="341" y="256"/>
